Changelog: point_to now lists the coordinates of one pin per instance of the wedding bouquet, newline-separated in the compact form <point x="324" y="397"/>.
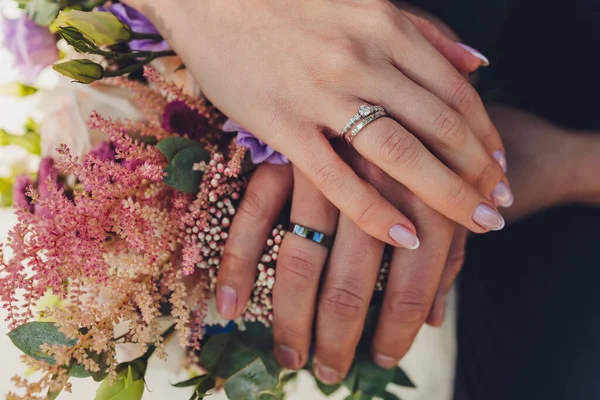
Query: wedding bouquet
<point x="128" y="238"/>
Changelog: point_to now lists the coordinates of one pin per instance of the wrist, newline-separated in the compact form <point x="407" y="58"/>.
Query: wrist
<point x="582" y="167"/>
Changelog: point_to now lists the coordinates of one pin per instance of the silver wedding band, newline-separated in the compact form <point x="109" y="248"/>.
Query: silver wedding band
<point x="366" y="114"/>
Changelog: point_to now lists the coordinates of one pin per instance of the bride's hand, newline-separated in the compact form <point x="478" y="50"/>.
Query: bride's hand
<point x="294" y="72"/>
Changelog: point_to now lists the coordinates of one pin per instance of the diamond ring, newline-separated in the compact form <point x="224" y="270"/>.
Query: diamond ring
<point x="364" y="111"/>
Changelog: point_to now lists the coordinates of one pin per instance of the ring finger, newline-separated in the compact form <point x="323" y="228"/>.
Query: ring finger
<point x="299" y="267"/>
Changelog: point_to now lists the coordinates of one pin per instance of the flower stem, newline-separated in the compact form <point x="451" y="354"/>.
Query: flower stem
<point x="153" y="36"/>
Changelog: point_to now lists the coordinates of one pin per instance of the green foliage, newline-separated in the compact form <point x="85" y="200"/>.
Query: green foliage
<point x="30" y="140"/>
<point x="42" y="12"/>
<point x="129" y="385"/>
<point x="30" y="336"/>
<point x="182" y="154"/>
<point x="401" y="379"/>
<point x="389" y="396"/>
<point x="250" y="381"/>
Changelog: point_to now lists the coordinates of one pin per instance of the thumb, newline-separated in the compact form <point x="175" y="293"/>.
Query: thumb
<point x="464" y="58"/>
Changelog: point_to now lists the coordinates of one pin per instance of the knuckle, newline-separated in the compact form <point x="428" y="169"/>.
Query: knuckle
<point x="298" y="265"/>
<point x="328" y="176"/>
<point x="399" y="149"/>
<point x="463" y="96"/>
<point x="288" y="333"/>
<point x="253" y="205"/>
<point x="449" y="128"/>
<point x="343" y="304"/>
<point x="457" y="195"/>
<point x="409" y="306"/>
<point x="488" y="176"/>
<point x="367" y="215"/>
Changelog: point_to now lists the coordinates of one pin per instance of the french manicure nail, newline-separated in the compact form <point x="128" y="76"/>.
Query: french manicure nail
<point x="326" y="375"/>
<point x="404" y="237"/>
<point x="484" y="61"/>
<point x="287" y="357"/>
<point x="227" y="302"/>
<point x="384" y="361"/>
<point x="488" y="218"/>
<point x="501" y="158"/>
<point x="502" y="195"/>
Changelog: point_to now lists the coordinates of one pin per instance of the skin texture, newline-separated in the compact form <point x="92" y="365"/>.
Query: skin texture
<point x="301" y="70"/>
<point x="299" y="78"/>
<point x="335" y="291"/>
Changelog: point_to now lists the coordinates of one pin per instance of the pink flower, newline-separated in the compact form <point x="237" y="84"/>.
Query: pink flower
<point x="20" y="188"/>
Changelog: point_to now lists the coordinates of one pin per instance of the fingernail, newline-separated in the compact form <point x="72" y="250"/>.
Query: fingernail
<point x="501" y="158"/>
<point x="502" y="195"/>
<point x="326" y="375"/>
<point x="484" y="61"/>
<point x="488" y="217"/>
<point x="287" y="357"/>
<point x="384" y="361"/>
<point x="227" y="302"/>
<point x="404" y="237"/>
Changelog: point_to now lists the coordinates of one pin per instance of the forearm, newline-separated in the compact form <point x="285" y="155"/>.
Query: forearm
<point x="584" y="178"/>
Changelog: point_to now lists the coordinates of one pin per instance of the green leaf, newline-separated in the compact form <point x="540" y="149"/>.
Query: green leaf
<point x="79" y="371"/>
<point x="400" y="378"/>
<point x="102" y="360"/>
<point x="248" y="383"/>
<point x="390" y="396"/>
<point x="327" y="390"/>
<point x="42" y="12"/>
<point x="351" y="379"/>
<point x="214" y="349"/>
<point x="180" y="171"/>
<point x="174" y="144"/>
<point x="190" y="382"/>
<point x="372" y="379"/>
<point x="30" y="336"/>
<point x="205" y="385"/>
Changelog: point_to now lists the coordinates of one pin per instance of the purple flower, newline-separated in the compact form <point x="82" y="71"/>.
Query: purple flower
<point x="139" y="24"/>
<point x="104" y="151"/>
<point x="20" y="197"/>
<point x="46" y="173"/>
<point x="259" y="151"/>
<point x="179" y="118"/>
<point x="33" y="46"/>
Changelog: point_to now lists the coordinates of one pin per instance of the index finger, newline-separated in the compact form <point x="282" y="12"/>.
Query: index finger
<point x="353" y="196"/>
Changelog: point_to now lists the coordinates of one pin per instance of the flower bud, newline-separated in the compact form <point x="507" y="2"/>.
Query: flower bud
<point x="129" y="384"/>
<point x="76" y="39"/>
<point x="83" y="71"/>
<point x="102" y="28"/>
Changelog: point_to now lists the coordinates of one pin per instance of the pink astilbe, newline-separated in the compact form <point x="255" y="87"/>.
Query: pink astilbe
<point x="151" y="102"/>
<point x="115" y="243"/>
<point x="176" y="93"/>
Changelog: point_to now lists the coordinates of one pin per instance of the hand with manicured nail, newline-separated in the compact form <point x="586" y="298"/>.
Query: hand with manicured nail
<point x="294" y="72"/>
<point x="334" y="287"/>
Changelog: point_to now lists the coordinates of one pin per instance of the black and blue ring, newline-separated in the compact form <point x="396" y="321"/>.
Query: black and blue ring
<point x="311" y="234"/>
